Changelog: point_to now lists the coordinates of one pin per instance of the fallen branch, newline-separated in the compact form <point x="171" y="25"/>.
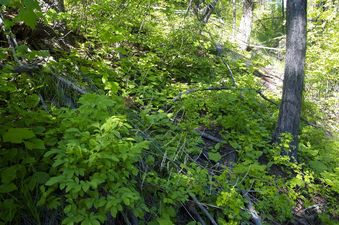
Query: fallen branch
<point x="124" y="215"/>
<point x="267" y="99"/>
<point x="264" y="47"/>
<point x="254" y="215"/>
<point x="197" y="215"/>
<point x="12" y="43"/>
<point x="229" y="69"/>
<point x="26" y="68"/>
<point x="208" y="136"/>
<point x="219" y="49"/>
<point x="257" y="73"/>
<point x="210" y="89"/>
<point x="29" y="68"/>
<point x="43" y="103"/>
<point x="209" y="216"/>
<point x="133" y="218"/>
<point x="71" y="85"/>
<point x="317" y="208"/>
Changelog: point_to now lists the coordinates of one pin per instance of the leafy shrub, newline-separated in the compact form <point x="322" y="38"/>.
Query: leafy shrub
<point x="93" y="163"/>
<point x="22" y="145"/>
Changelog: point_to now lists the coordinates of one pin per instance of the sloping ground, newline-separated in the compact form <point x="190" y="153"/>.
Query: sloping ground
<point x="273" y="79"/>
<point x="202" y="162"/>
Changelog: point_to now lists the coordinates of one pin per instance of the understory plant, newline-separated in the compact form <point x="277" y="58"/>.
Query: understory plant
<point x="94" y="162"/>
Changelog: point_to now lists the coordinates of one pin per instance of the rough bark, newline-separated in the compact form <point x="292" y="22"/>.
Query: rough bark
<point x="245" y="28"/>
<point x="290" y="107"/>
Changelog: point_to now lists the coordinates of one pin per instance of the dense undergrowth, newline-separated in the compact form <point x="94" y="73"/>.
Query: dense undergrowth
<point x="139" y="120"/>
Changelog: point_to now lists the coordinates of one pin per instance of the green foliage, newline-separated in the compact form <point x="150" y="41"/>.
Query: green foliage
<point x="23" y="143"/>
<point x="269" y="25"/>
<point x="129" y="149"/>
<point x="29" y="11"/>
<point x="232" y="204"/>
<point x="321" y="72"/>
<point x="94" y="161"/>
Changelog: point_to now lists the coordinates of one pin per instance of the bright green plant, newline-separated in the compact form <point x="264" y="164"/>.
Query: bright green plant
<point x="94" y="161"/>
<point x="232" y="204"/>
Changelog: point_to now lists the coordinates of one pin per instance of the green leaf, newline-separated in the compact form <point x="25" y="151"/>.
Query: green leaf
<point x="32" y="100"/>
<point x="87" y="221"/>
<point x="70" y="220"/>
<point x="35" y="144"/>
<point x="54" y="180"/>
<point x="54" y="203"/>
<point x="214" y="156"/>
<point x="53" y="151"/>
<point x="85" y="186"/>
<point x="318" y="166"/>
<point x="8" y="175"/>
<point x="165" y="220"/>
<point x="28" y="14"/>
<point x="94" y="221"/>
<point x="6" y="188"/>
<point x="41" y="177"/>
<point x="17" y="135"/>
<point x="217" y="146"/>
<point x="4" y="2"/>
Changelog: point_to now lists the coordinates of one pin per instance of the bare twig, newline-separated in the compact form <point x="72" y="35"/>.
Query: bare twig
<point x="71" y="85"/>
<point x="124" y="215"/>
<point x="187" y="209"/>
<point x="12" y="43"/>
<point x="264" y="47"/>
<point x="26" y="68"/>
<point x="267" y="99"/>
<point x="133" y="218"/>
<point x="229" y="69"/>
<point x="219" y="49"/>
<point x="208" y="136"/>
<point x="209" y="216"/>
<point x="29" y="68"/>
<point x="43" y="103"/>
<point x="197" y="216"/>
<point x="188" y="7"/>
<point x="313" y="208"/>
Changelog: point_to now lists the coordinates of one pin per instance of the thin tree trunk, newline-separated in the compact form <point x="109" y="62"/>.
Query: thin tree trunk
<point x="205" y="13"/>
<point x="245" y="28"/>
<point x="61" y="6"/>
<point x="209" y="10"/>
<point x="283" y="15"/>
<point x="283" y="9"/>
<point x="234" y="11"/>
<point x="290" y="107"/>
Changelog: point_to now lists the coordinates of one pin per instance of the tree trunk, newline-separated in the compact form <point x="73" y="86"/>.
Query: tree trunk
<point x="234" y="11"/>
<point x="61" y="6"/>
<point x="283" y="9"/>
<point x="290" y="108"/>
<point x="205" y="13"/>
<point x="245" y="28"/>
<point x="209" y="10"/>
